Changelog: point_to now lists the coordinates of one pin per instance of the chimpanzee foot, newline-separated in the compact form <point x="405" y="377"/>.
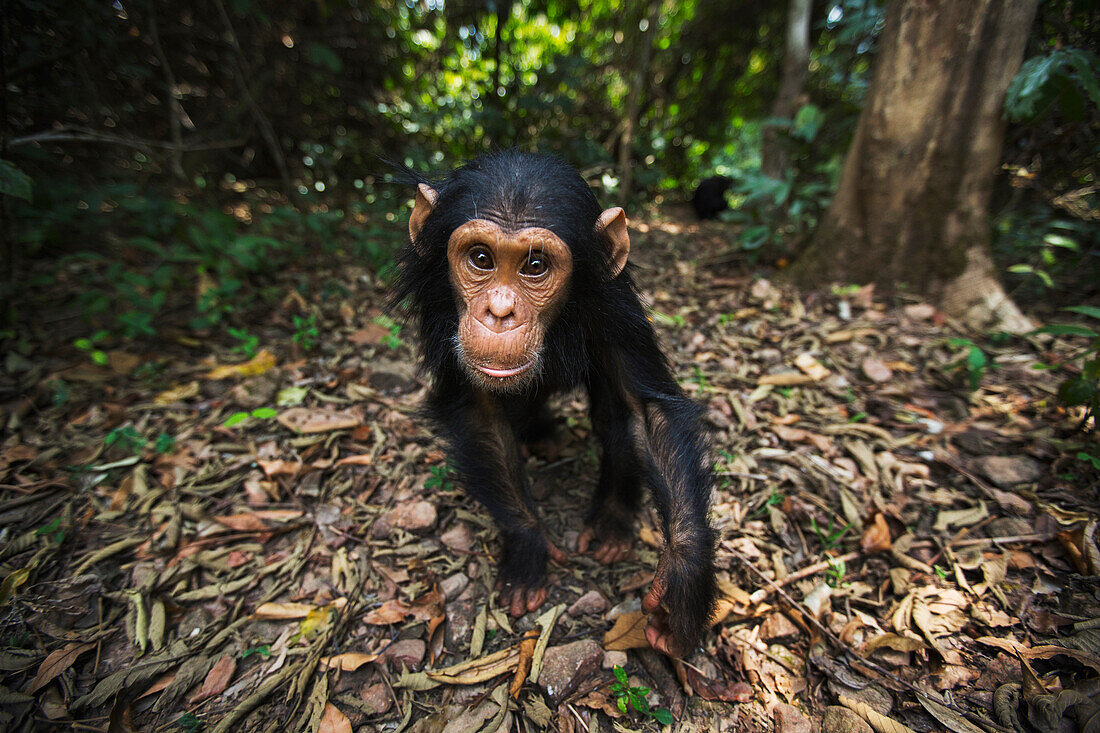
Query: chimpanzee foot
<point x="518" y="599"/>
<point x="609" y="549"/>
<point x="522" y="595"/>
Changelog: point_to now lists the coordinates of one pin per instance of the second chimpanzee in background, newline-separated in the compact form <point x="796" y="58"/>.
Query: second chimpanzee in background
<point x="709" y="199"/>
<point x="519" y="285"/>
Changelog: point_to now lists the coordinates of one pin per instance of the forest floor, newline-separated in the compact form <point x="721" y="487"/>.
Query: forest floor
<point x="192" y="538"/>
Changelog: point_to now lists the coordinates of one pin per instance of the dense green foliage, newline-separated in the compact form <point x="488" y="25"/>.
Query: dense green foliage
<point x="171" y="157"/>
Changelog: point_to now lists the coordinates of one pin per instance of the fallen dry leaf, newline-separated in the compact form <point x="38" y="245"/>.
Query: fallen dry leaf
<point x="262" y="362"/>
<point x="876" y="538"/>
<point x="349" y="661"/>
<point x="627" y="633"/>
<point x="334" y="721"/>
<point x="56" y="663"/>
<point x="317" y="420"/>
<point x="217" y="679"/>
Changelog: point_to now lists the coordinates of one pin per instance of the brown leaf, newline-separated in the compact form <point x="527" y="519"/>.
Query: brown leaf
<point x="243" y="522"/>
<point x="333" y="721"/>
<point x="217" y="679"/>
<point x="390" y="612"/>
<point x="627" y="633"/>
<point x="364" y="459"/>
<point x="349" y="661"/>
<point x="262" y="362"/>
<point x="287" y="611"/>
<point x="810" y="366"/>
<point x="372" y="334"/>
<point x="876" y="371"/>
<point x="876" y="538"/>
<point x="320" y="420"/>
<point x="523" y="665"/>
<point x="56" y="663"/>
<point x="280" y="467"/>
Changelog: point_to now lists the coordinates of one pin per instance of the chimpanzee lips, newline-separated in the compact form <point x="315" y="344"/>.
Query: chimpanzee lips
<point x="502" y="373"/>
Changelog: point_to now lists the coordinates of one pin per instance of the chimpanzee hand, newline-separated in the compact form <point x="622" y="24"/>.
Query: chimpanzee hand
<point x="679" y="603"/>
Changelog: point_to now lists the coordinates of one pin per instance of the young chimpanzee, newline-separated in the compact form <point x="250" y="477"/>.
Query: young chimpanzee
<point x="709" y="199"/>
<point x="518" y="282"/>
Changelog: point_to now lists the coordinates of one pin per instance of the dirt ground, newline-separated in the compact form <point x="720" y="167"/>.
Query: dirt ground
<point x="273" y="541"/>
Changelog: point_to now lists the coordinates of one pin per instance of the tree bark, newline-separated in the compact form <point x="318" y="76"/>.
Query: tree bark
<point x="774" y="155"/>
<point x="642" y="58"/>
<point x="911" y="208"/>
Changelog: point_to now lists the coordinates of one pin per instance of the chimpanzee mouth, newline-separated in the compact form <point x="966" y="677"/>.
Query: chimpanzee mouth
<point x="504" y="373"/>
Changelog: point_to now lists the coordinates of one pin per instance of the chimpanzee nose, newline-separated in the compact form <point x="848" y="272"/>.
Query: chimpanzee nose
<point x="502" y="303"/>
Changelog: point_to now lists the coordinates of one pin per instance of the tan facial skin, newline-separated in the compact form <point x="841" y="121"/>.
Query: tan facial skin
<point x="510" y="284"/>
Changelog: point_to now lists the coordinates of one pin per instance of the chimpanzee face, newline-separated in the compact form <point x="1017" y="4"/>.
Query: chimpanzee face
<point x="510" y="280"/>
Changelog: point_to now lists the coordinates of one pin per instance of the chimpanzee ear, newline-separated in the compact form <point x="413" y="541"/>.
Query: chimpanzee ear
<point x="612" y="227"/>
<point x="425" y="202"/>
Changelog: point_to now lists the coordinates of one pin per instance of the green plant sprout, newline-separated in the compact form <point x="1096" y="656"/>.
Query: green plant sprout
<point x="306" y="333"/>
<point x="247" y="343"/>
<point x="975" y="362"/>
<point x="127" y="438"/>
<point x="261" y="413"/>
<point x="627" y="698"/>
<point x="831" y="536"/>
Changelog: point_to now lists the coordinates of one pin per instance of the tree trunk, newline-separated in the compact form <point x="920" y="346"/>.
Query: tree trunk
<point x="910" y="210"/>
<point x="642" y="57"/>
<point x="774" y="155"/>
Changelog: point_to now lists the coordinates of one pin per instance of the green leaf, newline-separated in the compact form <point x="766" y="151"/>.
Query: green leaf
<point x="1057" y="240"/>
<point x="620" y="675"/>
<point x="14" y="182"/>
<point x="1076" y="391"/>
<point x="236" y="419"/>
<point x="1085" y="310"/>
<point x="663" y="716"/>
<point x="621" y="702"/>
<point x="1065" y="329"/>
<point x="264" y="413"/>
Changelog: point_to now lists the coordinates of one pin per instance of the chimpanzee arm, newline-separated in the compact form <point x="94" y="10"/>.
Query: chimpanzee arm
<point x="485" y="451"/>
<point x="679" y="481"/>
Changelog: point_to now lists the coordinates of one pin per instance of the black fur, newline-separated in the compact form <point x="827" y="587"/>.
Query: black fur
<point x="602" y="339"/>
<point x="710" y="197"/>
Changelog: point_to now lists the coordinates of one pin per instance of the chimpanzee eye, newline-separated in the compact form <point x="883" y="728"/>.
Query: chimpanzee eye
<point x="481" y="259"/>
<point x="536" y="265"/>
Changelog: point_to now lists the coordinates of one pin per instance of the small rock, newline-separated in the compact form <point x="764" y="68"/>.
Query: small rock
<point x="460" y="623"/>
<point x="919" y="311"/>
<point x="409" y="652"/>
<point x="777" y="626"/>
<point x="459" y="537"/>
<point x="377" y="698"/>
<point x="591" y="602"/>
<point x="391" y="382"/>
<point x="453" y="586"/>
<point x="842" y="720"/>
<point x="1008" y="471"/>
<point x="566" y="666"/>
<point x="614" y="659"/>
<point x="630" y="605"/>
<point x="876" y="370"/>
<point x="789" y="719"/>
<point x="413" y="516"/>
<point x="256" y="391"/>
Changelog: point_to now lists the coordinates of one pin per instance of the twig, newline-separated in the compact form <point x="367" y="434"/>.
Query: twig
<point x="76" y="133"/>
<point x="807" y="571"/>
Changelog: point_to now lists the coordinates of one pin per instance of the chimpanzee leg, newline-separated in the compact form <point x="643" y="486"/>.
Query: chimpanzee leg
<point x="610" y="522"/>
<point x="485" y="452"/>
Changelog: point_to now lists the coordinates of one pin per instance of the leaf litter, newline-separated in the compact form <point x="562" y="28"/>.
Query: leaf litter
<point x="896" y="549"/>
